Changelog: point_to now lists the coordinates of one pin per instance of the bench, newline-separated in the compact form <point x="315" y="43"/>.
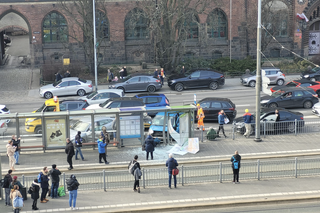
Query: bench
<point x="31" y="147"/>
<point x="93" y="144"/>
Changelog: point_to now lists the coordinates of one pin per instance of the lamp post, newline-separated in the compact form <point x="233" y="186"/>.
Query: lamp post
<point x="95" y="45"/>
<point x="302" y="25"/>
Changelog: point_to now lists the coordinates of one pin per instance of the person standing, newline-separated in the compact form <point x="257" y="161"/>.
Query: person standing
<point x="247" y="117"/>
<point x="156" y="73"/>
<point x="35" y="194"/>
<point x="183" y="70"/>
<point x="54" y="174"/>
<point x="135" y="165"/>
<point x="6" y="185"/>
<point x="16" y="143"/>
<point x="200" y="117"/>
<point x="235" y="159"/>
<point x="10" y="152"/>
<point x="221" y="117"/>
<point x="125" y="73"/>
<point x="72" y="186"/>
<point x="15" y="193"/>
<point x="162" y="76"/>
<point x="70" y="152"/>
<point x="106" y="137"/>
<point x="67" y="74"/>
<point x="121" y="73"/>
<point x="58" y="76"/>
<point x="44" y="184"/>
<point x="102" y="150"/>
<point x="78" y="141"/>
<point x="110" y="76"/>
<point x="16" y="182"/>
<point x="172" y="164"/>
<point x="150" y="144"/>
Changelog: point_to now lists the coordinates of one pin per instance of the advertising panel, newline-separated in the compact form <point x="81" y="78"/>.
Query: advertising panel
<point x="55" y="131"/>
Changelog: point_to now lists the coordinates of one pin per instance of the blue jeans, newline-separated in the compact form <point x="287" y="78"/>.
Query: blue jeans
<point x="73" y="196"/>
<point x="7" y="192"/>
<point x="174" y="178"/>
<point x="78" y="150"/>
<point x="16" y="156"/>
<point x="54" y="190"/>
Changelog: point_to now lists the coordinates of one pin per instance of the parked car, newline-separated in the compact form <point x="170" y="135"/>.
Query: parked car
<point x="102" y="95"/>
<point x="73" y="104"/>
<point x="153" y="101"/>
<point x="138" y="83"/>
<point x="4" y="110"/>
<point x="196" y="79"/>
<point x="212" y="106"/>
<point x="313" y="75"/>
<point x="316" y="109"/>
<point x="315" y="85"/>
<point x="267" y="116"/>
<point x="274" y="74"/>
<point x="67" y="86"/>
<point x="290" y="97"/>
<point x="3" y="127"/>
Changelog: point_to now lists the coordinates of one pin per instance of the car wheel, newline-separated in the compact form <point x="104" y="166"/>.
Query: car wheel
<point x="273" y="105"/>
<point x="252" y="83"/>
<point x="178" y="87"/>
<point x="121" y="88"/>
<point x="213" y="85"/>
<point x="307" y="104"/>
<point x="280" y="82"/>
<point x="312" y="79"/>
<point x="38" y="130"/>
<point x="48" y="95"/>
<point x="151" y="89"/>
<point x="81" y="92"/>
<point x="291" y="128"/>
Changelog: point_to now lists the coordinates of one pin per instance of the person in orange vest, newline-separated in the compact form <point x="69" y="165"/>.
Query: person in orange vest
<point x="200" y="117"/>
<point x="247" y="117"/>
<point x="162" y="75"/>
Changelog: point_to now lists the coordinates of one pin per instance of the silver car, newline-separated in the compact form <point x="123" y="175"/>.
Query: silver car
<point x="102" y="95"/>
<point x="274" y="74"/>
<point x="3" y="127"/>
<point x="66" y="86"/>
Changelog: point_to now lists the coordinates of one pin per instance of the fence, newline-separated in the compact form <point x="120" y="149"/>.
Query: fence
<point x="219" y="172"/>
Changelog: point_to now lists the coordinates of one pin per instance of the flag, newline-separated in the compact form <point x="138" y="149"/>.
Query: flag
<point x="302" y="16"/>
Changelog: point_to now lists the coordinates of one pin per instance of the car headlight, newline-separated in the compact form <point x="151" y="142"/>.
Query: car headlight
<point x="306" y="76"/>
<point x="173" y="81"/>
<point x="31" y="120"/>
<point x="245" y="79"/>
<point x="264" y="101"/>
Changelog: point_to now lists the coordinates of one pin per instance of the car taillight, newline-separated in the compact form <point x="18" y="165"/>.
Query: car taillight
<point x="167" y="102"/>
<point x="222" y="76"/>
<point x="283" y="75"/>
<point x="301" y="118"/>
<point x="158" y="81"/>
<point x="315" y="95"/>
<point x="232" y="109"/>
<point x="90" y="85"/>
<point x="83" y="108"/>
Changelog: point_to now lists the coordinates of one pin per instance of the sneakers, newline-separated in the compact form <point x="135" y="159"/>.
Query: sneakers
<point x="46" y="199"/>
<point x="139" y="190"/>
<point x="75" y="208"/>
<point x="70" y="168"/>
<point x="43" y="201"/>
<point x="17" y="163"/>
<point x="135" y="190"/>
<point x="107" y="162"/>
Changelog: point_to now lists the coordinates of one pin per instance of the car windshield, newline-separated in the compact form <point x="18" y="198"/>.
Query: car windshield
<point x="277" y="93"/>
<point x="158" y="120"/>
<point x="253" y="72"/>
<point x="291" y="84"/>
<point x="316" y="69"/>
<point x="41" y="108"/>
<point x="91" y="95"/>
<point x="82" y="80"/>
<point x="80" y="126"/>
<point x="56" y="83"/>
<point x="105" y="103"/>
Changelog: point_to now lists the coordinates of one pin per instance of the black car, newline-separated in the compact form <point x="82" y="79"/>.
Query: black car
<point x="313" y="75"/>
<point x="212" y="106"/>
<point x="268" y="121"/>
<point x="196" y="79"/>
<point x="72" y="105"/>
<point x="290" y="97"/>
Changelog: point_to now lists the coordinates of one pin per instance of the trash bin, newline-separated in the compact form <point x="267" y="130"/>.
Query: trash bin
<point x="24" y="193"/>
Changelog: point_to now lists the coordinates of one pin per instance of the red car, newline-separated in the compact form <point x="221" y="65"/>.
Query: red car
<point x="315" y="85"/>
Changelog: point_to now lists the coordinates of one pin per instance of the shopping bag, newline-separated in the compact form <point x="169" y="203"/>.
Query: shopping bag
<point x="61" y="192"/>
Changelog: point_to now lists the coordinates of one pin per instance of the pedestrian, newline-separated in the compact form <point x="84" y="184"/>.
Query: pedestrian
<point x="110" y="76"/>
<point x="44" y="177"/>
<point x="105" y="137"/>
<point x="150" y="144"/>
<point x="67" y="74"/>
<point x="72" y="186"/>
<point x="6" y="185"/>
<point x="78" y="141"/>
<point x="114" y="132"/>
<point x="172" y="164"/>
<point x="277" y="123"/>
<point x="247" y="117"/>
<point x="183" y="70"/>
<point x="200" y="117"/>
<point x="135" y="170"/>
<point x="102" y="150"/>
<point x="162" y="76"/>
<point x="125" y="73"/>
<point x="16" y="143"/>
<point x="35" y="193"/>
<point x="58" y="76"/>
<point x="16" y="182"/>
<point x="156" y="73"/>
<point x="10" y="152"/>
<point x="221" y="119"/>
<point x="236" y="158"/>
<point x="54" y="173"/>
<point x="15" y="193"/>
<point x="70" y="152"/>
<point x="121" y="73"/>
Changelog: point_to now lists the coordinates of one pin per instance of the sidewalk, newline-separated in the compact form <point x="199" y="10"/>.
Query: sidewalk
<point x="195" y="196"/>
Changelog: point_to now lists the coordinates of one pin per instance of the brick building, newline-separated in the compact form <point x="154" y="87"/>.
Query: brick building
<point x="121" y="46"/>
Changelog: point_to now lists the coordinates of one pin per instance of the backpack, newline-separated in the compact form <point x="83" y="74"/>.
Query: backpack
<point x="5" y="182"/>
<point x="39" y="177"/>
<point x="132" y="167"/>
<point x="31" y="190"/>
<point x="235" y="164"/>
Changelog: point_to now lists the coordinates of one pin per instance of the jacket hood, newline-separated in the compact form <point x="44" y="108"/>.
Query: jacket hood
<point x="38" y="184"/>
<point x="43" y="172"/>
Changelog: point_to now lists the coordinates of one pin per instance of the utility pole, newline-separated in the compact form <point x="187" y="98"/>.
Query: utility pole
<point x="258" y="79"/>
<point x="95" y="45"/>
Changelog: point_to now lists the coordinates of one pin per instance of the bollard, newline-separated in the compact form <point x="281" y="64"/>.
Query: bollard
<point x="295" y="127"/>
<point x="143" y="179"/>
<point x="64" y="182"/>
<point x="23" y="180"/>
<point x="220" y="172"/>
<point x="104" y="180"/>
<point x="202" y="135"/>
<point x="264" y="129"/>
<point x="233" y="128"/>
<point x="182" y="180"/>
<point x="296" y="167"/>
<point x="258" y="168"/>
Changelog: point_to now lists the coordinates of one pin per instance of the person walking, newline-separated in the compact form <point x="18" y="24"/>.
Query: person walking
<point x="102" y="150"/>
<point x="67" y="74"/>
<point x="121" y="73"/>
<point x="172" y="164"/>
<point x="162" y="76"/>
<point x="15" y="193"/>
<point x="6" y="185"/>
<point x="221" y="118"/>
<point x="235" y="159"/>
<point x="183" y="70"/>
<point x="70" y="152"/>
<point x="78" y="141"/>
<point x="110" y="76"/>
<point x="44" y="177"/>
<point x="72" y="186"/>
<point x="105" y="137"/>
<point x="10" y="152"/>
<point x="200" y="117"/>
<point x="35" y="194"/>
<point x="16" y="143"/>
<point x="247" y="118"/>
<point x="133" y="166"/>
<point x="16" y="182"/>
<point x="150" y="144"/>
<point x="54" y="173"/>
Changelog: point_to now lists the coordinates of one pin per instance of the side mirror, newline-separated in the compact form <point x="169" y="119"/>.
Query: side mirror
<point x="281" y="97"/>
<point x="190" y="77"/>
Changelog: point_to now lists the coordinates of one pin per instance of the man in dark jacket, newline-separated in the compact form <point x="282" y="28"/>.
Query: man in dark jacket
<point x="58" y="77"/>
<point x="222" y="115"/>
<point x="35" y="193"/>
<point x="125" y="73"/>
<point x="6" y="186"/>
<point x="70" y="153"/>
<point x="236" y="158"/>
<point x="54" y="173"/>
<point x="150" y="144"/>
<point x="78" y="142"/>
<point x="172" y="164"/>
<point x="16" y="143"/>
<point x="44" y="184"/>
<point x="67" y="74"/>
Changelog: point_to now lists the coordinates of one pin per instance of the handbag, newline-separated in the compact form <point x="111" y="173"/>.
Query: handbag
<point x="175" y="171"/>
<point x="143" y="147"/>
<point x="17" y="202"/>
<point x="226" y="120"/>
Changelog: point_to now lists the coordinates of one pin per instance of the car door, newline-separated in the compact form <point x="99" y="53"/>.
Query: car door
<point x="297" y="99"/>
<point x="131" y="85"/>
<point x="268" y="123"/>
<point x="215" y="109"/>
<point x="193" y="79"/>
<point x="73" y="87"/>
<point x="206" y="105"/>
<point x="62" y="88"/>
<point x="272" y="75"/>
<point x="152" y="101"/>
<point x="285" y="100"/>
<point x="144" y="83"/>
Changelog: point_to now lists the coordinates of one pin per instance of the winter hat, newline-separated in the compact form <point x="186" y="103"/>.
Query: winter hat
<point x="79" y="132"/>
<point x="246" y="110"/>
<point x="15" y="177"/>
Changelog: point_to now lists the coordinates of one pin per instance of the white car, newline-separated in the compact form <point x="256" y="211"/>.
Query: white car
<point x="102" y="95"/>
<point x="316" y="109"/>
<point x="4" y="110"/>
<point x="3" y="127"/>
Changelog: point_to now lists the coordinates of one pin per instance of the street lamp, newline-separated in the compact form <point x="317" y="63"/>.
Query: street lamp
<point x="95" y="45"/>
<point x="302" y="25"/>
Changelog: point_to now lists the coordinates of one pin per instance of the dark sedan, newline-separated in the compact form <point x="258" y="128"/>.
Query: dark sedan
<point x="313" y="75"/>
<point x="196" y="79"/>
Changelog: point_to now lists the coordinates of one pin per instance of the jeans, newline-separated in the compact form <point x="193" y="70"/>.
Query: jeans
<point x="7" y="192"/>
<point x="222" y="129"/>
<point x="16" y="156"/>
<point x="44" y="193"/>
<point x="34" y="204"/>
<point x="235" y="175"/>
<point x="73" y="196"/>
<point x="78" y="150"/>
<point x="16" y="210"/>
<point x="69" y="160"/>
<point x="174" y="179"/>
<point x="54" y="189"/>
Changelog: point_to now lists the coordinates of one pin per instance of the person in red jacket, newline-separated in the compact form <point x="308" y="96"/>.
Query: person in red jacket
<point x="247" y="117"/>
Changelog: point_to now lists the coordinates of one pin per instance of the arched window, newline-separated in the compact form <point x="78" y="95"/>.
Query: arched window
<point x="54" y="28"/>
<point x="102" y="25"/>
<point x="136" y="25"/>
<point x="217" y="24"/>
<point x="276" y="18"/>
<point x="191" y="26"/>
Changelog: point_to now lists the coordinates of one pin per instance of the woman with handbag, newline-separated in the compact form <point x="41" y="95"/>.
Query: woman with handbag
<point x="172" y="169"/>
<point x="149" y="146"/>
<point x="17" y="200"/>
<point x="35" y="193"/>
